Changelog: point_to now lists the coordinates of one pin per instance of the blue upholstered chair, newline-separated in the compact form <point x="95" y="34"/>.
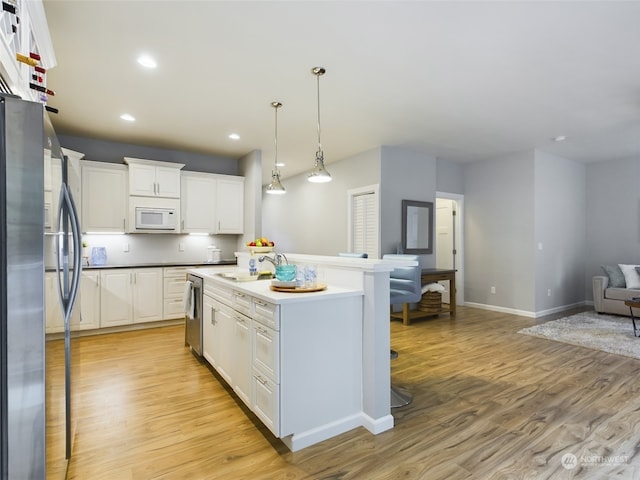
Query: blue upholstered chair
<point x="405" y="287"/>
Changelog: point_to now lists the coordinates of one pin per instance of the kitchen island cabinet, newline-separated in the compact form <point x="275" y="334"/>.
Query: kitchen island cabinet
<point x="295" y="359"/>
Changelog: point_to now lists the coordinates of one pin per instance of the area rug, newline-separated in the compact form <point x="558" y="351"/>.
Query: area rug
<point x="608" y="333"/>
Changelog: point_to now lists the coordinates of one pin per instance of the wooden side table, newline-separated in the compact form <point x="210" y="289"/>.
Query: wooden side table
<point x="433" y="275"/>
<point x="633" y="304"/>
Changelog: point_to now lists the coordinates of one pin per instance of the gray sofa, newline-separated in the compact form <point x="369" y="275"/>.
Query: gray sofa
<point x="611" y="299"/>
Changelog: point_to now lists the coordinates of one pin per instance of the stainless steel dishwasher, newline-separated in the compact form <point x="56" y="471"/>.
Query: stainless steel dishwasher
<point x="193" y="316"/>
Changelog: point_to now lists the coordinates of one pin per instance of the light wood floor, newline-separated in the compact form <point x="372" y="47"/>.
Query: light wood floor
<point x="489" y="404"/>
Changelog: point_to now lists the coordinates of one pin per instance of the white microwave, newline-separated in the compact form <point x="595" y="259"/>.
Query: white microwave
<point x="152" y="218"/>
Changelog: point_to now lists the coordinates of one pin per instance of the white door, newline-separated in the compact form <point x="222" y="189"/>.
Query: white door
<point x="449" y="241"/>
<point x="167" y="182"/>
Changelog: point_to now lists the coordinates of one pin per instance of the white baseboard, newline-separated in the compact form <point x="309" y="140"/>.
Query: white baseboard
<point x="527" y="313"/>
<point x="298" y="441"/>
<point x="377" y="425"/>
<point x="495" y="308"/>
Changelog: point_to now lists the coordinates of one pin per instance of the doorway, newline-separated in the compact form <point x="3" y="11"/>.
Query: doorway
<point x="449" y="241"/>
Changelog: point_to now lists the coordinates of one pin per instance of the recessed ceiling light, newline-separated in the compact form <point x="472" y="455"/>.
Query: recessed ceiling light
<point x="127" y="117"/>
<point x="234" y="136"/>
<point x="559" y="138"/>
<point x="147" y="61"/>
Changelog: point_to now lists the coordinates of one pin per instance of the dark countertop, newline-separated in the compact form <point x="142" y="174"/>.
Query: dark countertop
<point x="152" y="265"/>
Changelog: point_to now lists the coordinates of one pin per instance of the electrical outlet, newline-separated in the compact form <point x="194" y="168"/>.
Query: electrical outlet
<point x="125" y="247"/>
<point x="181" y="247"/>
<point x="493" y="289"/>
<point x="548" y="292"/>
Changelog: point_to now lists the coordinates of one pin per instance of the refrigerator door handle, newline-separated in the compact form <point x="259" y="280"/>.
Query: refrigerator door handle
<point x="77" y="251"/>
<point x="67" y="299"/>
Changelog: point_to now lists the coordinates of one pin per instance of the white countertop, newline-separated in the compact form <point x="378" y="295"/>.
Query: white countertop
<point x="261" y="288"/>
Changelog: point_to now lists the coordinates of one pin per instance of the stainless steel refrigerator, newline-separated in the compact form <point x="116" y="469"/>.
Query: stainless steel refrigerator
<point x="25" y="134"/>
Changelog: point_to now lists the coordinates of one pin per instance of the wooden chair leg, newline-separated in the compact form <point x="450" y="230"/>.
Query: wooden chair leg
<point x="405" y="314"/>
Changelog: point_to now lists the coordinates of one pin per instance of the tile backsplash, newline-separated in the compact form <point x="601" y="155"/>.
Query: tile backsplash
<point x="134" y="249"/>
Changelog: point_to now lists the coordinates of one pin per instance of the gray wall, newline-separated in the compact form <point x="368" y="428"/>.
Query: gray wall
<point x="405" y="175"/>
<point x="250" y="167"/>
<point x="113" y="152"/>
<point x="499" y="232"/>
<point x="613" y="216"/>
<point x="311" y="218"/>
<point x="449" y="177"/>
<point x="560" y="229"/>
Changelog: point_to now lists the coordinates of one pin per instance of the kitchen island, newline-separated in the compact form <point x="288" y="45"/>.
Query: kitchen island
<point x="295" y="359"/>
<point x="309" y="365"/>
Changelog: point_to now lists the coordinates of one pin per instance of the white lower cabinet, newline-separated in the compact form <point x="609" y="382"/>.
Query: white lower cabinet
<point x="130" y="296"/>
<point x="174" y="279"/>
<point x="89" y="303"/>
<point x="219" y="335"/>
<point x="281" y="359"/>
<point x="54" y="323"/>
<point x="242" y="372"/>
<point x="115" y="298"/>
<point x="90" y="300"/>
<point x="147" y="295"/>
<point x="266" y="401"/>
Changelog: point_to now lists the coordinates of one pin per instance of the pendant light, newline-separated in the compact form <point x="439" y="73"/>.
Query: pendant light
<point x="275" y="187"/>
<point x="319" y="174"/>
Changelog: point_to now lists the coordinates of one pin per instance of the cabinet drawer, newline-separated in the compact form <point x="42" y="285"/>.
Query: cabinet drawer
<point x="266" y="313"/>
<point x="219" y="292"/>
<point x="174" y="287"/>
<point x="435" y="278"/>
<point x="266" y="401"/>
<point x="242" y="302"/>
<point x="173" y="308"/>
<point x="265" y="346"/>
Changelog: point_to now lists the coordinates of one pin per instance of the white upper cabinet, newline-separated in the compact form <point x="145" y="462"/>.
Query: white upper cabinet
<point x="150" y="178"/>
<point x="229" y="204"/>
<point x="212" y="203"/>
<point x="198" y="202"/>
<point x="104" y="197"/>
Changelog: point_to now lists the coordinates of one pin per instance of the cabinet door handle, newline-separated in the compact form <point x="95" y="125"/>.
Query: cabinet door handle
<point x="262" y="304"/>
<point x="124" y="224"/>
<point x="240" y="319"/>
<point x="262" y="330"/>
<point x="261" y="380"/>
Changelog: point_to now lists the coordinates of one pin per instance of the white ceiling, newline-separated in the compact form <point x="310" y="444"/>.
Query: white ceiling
<point x="461" y="80"/>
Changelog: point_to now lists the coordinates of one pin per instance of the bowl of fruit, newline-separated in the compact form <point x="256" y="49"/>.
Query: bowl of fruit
<point x="261" y="245"/>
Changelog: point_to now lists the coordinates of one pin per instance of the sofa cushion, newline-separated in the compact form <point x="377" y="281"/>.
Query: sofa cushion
<point x="631" y="276"/>
<point x="621" y="293"/>
<point x="616" y="277"/>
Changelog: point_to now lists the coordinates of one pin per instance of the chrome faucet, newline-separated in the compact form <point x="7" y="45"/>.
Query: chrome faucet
<point x="276" y="260"/>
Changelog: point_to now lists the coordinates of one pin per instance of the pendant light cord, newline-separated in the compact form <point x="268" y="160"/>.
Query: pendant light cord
<point x="318" y="89"/>
<point x="275" y="142"/>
